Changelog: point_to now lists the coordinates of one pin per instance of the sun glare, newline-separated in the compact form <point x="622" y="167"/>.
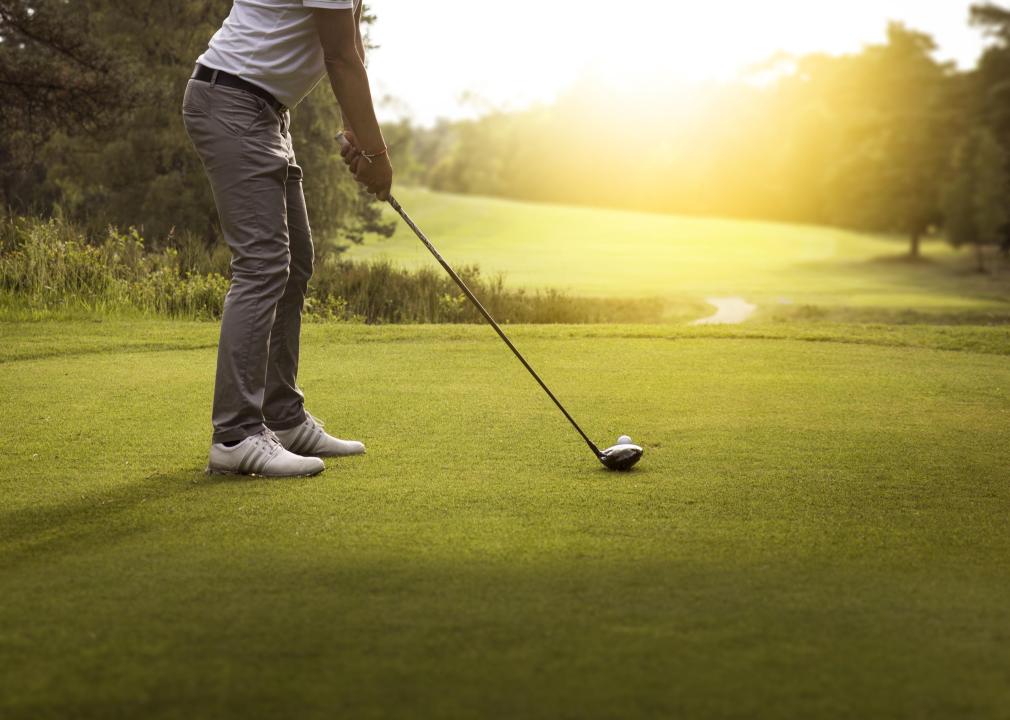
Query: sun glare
<point x="510" y="59"/>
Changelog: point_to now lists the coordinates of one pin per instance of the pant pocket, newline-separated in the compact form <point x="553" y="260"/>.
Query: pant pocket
<point x="194" y="100"/>
<point x="237" y="110"/>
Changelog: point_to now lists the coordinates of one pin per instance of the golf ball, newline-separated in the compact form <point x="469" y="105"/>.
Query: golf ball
<point x="624" y="440"/>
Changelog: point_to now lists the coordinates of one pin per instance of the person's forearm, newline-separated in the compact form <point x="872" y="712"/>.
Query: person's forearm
<point x="350" y="86"/>
<point x="360" y="47"/>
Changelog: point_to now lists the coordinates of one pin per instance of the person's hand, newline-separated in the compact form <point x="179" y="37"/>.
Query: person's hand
<point x="349" y="152"/>
<point x="376" y="176"/>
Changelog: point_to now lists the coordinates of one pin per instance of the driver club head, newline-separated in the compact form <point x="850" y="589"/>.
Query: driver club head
<point x="621" y="457"/>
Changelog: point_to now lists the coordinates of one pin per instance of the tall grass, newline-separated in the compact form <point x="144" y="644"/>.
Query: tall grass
<point x="381" y="292"/>
<point x="50" y="266"/>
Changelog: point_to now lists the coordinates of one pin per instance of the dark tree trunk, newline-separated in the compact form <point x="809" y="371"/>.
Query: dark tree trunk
<point x="980" y="257"/>
<point x="913" y="249"/>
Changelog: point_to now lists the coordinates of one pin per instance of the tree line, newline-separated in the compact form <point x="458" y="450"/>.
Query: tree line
<point x="889" y="139"/>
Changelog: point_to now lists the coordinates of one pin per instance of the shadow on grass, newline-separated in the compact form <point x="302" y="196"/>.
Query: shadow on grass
<point x="889" y="316"/>
<point x="17" y="354"/>
<point x="899" y="259"/>
<point x="953" y="284"/>
<point x="97" y="518"/>
<point x="957" y="275"/>
<point x="105" y="516"/>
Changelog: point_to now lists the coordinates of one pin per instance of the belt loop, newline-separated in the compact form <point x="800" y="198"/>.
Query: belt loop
<point x="213" y="78"/>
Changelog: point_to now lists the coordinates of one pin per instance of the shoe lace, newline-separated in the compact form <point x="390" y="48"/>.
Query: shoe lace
<point x="269" y="442"/>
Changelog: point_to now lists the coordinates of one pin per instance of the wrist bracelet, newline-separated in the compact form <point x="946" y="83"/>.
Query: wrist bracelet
<point x="370" y="156"/>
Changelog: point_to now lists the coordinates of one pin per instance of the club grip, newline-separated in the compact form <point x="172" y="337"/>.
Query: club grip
<point x="344" y="142"/>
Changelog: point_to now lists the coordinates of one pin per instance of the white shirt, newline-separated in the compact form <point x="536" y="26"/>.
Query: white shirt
<point x="273" y="44"/>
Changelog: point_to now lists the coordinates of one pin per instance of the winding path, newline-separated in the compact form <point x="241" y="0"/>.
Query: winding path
<point x="728" y="311"/>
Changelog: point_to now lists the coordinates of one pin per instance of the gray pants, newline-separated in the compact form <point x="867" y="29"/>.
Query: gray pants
<point x="246" y="150"/>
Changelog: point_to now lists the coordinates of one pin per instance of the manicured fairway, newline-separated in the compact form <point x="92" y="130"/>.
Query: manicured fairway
<point x="610" y="253"/>
<point x="818" y="529"/>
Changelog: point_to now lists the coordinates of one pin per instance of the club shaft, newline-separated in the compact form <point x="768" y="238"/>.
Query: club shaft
<point x="487" y="316"/>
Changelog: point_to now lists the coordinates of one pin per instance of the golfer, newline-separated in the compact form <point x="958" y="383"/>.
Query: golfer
<point x="265" y="58"/>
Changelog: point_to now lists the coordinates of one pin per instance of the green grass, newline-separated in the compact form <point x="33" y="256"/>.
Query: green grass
<point x="818" y="527"/>
<point x="610" y="253"/>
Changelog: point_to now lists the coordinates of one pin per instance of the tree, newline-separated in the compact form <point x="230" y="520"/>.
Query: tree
<point x="859" y="140"/>
<point x="53" y="75"/>
<point x="898" y="138"/>
<point x="992" y="212"/>
<point x="975" y="199"/>
<point x="992" y="79"/>
<point x="137" y="167"/>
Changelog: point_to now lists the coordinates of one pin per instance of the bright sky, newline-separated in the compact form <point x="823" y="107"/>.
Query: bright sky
<point x="512" y="54"/>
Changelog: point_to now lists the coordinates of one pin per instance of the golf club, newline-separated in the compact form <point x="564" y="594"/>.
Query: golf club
<point x="622" y="456"/>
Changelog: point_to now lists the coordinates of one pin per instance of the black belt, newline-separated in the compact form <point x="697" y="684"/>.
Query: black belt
<point x="220" y="77"/>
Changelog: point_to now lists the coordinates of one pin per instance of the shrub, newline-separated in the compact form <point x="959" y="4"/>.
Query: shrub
<point x="48" y="265"/>
<point x="163" y="292"/>
<point x="381" y="292"/>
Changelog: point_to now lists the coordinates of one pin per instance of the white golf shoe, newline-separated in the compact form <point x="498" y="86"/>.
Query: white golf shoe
<point x="309" y="438"/>
<point x="261" y="455"/>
